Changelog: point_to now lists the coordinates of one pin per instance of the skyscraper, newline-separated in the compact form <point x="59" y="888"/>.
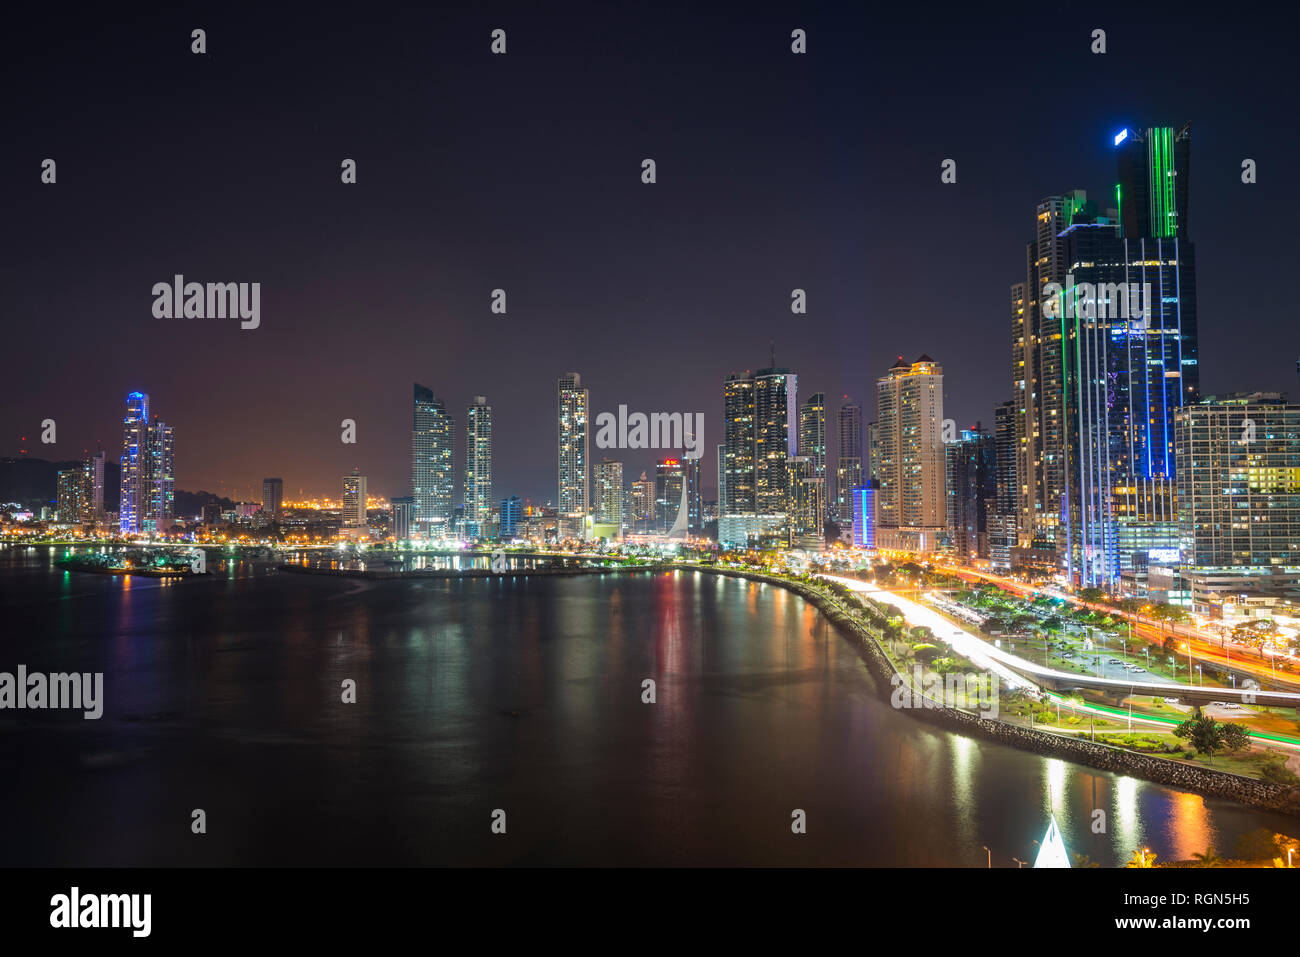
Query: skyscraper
<point x="607" y="481"/>
<point x="431" y="463"/>
<point x="670" y="474"/>
<point x="848" y="467"/>
<point x="94" y="470"/>
<point x="354" y="503"/>
<point x="912" y="507"/>
<point x="738" y="445"/>
<point x="478" y="462"/>
<point x="512" y="512"/>
<point x="148" y="465"/>
<point x="273" y="499"/>
<point x="1128" y="308"/>
<point x="760" y="434"/>
<point x="643" y="506"/>
<point x="574" y="446"/>
<point x="134" y="507"/>
<point x="403" y="508"/>
<point x="162" y="477"/>
<point x="971" y="484"/>
<point x="1039" y="375"/>
<point x="776" y="438"/>
<point x="1239" y="499"/>
<point x="812" y="433"/>
<point x="72" y="495"/>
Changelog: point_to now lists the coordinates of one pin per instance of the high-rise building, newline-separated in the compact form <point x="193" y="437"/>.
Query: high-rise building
<point x="722" y="478"/>
<point x="738" y="445"/>
<point x="670" y="474"/>
<point x="403" y="511"/>
<point x="1004" y="443"/>
<point x="148" y="482"/>
<point x="607" y="482"/>
<point x="72" y="495"/>
<point x="642" y="519"/>
<point x="162" y="477"/>
<point x="873" y="453"/>
<point x="1003" y="516"/>
<point x="512" y="513"/>
<point x="806" y="495"/>
<point x="1127" y="306"/>
<point x="273" y="500"/>
<point x="94" y="469"/>
<point x="574" y="403"/>
<point x="135" y="463"/>
<point x="432" y="477"/>
<point x="694" y="495"/>
<point x="812" y="433"/>
<point x="972" y="487"/>
<point x="864" y="515"/>
<point x="912" y="506"/>
<point x="848" y="467"/>
<point x="478" y="462"/>
<point x="1239" y="499"/>
<point x="354" y="502"/>
<point x="760" y="433"/>
<point x="1039" y="383"/>
<point x="776" y="438"/>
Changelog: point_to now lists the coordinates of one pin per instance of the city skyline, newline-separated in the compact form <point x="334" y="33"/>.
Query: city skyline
<point x="893" y="261"/>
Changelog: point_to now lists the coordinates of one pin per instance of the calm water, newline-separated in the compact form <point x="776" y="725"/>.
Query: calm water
<point x="223" y="693"/>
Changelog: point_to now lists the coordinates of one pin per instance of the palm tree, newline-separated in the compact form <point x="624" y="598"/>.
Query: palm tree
<point x="1208" y="859"/>
<point x="1082" y="860"/>
<point x="1142" y="858"/>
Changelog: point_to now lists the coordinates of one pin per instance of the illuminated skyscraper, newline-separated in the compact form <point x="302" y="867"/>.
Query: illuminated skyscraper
<point x="478" y="462"/>
<point x="431" y="463"/>
<point x="848" y="467"/>
<point x="642" y="520"/>
<point x="574" y="403"/>
<point x="912" y="506"/>
<point x="971" y="486"/>
<point x="148" y="466"/>
<point x="607" y="481"/>
<point x="94" y="470"/>
<point x="273" y="499"/>
<point x="354" y="502"/>
<point x="738" y="445"/>
<point x="162" y="477"/>
<point x="1239" y="499"/>
<point x="1128" y="309"/>
<point x="135" y="461"/>
<point x="812" y="433"/>
<point x="776" y="438"/>
<point x="669" y="476"/>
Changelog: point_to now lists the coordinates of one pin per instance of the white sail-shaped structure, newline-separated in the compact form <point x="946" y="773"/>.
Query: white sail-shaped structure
<point x="1051" y="853"/>
<point x="682" y="524"/>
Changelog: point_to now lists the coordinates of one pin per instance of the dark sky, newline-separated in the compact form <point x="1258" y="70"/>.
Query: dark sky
<point x="522" y="171"/>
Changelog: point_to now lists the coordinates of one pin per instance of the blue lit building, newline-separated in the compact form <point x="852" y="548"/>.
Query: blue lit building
<point x="512" y="512"/>
<point x="1128" y="319"/>
<point x="864" y="516"/>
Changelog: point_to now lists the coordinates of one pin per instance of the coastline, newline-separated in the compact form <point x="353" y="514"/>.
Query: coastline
<point x="1204" y="781"/>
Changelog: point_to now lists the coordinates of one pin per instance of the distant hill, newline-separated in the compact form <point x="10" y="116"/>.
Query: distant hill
<point x="189" y="504"/>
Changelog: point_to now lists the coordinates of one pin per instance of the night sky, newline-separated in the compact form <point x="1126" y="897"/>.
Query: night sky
<point x="523" y="172"/>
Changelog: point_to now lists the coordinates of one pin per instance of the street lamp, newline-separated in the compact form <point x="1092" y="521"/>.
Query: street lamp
<point x="1019" y="862"/>
<point x="990" y="854"/>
